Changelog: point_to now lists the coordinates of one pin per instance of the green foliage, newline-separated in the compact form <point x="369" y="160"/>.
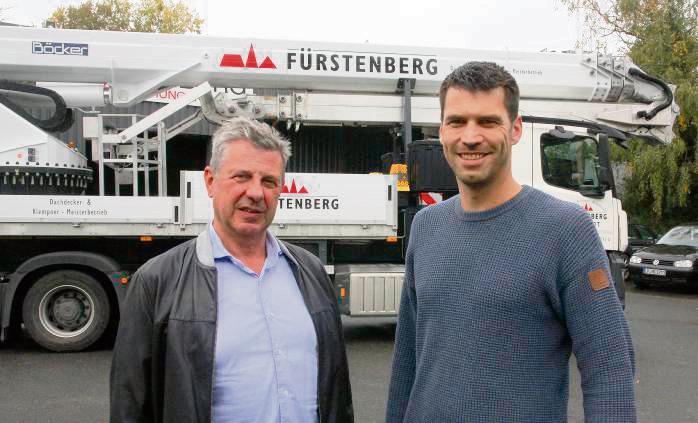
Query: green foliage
<point x="661" y="37"/>
<point x="658" y="191"/>
<point x="123" y="15"/>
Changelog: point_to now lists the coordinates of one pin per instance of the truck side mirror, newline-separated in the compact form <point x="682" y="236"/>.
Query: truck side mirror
<point x="605" y="172"/>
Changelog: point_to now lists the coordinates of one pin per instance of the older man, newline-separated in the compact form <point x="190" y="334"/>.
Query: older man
<point x="235" y="325"/>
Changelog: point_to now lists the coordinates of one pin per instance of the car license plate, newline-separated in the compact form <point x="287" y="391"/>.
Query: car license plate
<point x="656" y="272"/>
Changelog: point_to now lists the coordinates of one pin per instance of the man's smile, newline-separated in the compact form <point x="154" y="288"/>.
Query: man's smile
<point x="472" y="158"/>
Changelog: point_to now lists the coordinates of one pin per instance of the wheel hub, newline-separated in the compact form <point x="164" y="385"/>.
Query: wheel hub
<point x="66" y="311"/>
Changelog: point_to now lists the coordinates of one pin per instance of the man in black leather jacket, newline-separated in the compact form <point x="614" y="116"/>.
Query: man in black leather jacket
<point x="176" y="361"/>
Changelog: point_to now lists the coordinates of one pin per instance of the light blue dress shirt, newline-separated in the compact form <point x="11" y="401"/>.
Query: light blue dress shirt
<point x="266" y="349"/>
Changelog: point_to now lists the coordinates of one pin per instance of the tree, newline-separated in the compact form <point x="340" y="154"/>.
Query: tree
<point x="661" y="37"/>
<point x="123" y="15"/>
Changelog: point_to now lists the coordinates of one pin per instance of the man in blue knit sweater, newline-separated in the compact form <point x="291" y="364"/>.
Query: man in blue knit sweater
<point x="503" y="282"/>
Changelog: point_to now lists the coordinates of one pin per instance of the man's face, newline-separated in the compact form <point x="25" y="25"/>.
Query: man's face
<point x="245" y="190"/>
<point x="477" y="135"/>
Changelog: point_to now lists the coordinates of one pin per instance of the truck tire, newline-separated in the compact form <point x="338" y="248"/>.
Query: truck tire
<point x="66" y="310"/>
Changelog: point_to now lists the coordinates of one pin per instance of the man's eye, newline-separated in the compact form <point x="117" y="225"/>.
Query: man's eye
<point x="270" y="184"/>
<point x="240" y="178"/>
<point x="489" y="123"/>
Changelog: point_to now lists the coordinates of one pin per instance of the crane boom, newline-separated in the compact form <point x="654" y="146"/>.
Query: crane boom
<point x="136" y="65"/>
<point x="133" y="66"/>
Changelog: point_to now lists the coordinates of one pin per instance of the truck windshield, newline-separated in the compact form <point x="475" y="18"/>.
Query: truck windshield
<point x="571" y="163"/>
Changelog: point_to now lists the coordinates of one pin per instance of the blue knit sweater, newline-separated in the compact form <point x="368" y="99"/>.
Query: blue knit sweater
<point x="493" y="305"/>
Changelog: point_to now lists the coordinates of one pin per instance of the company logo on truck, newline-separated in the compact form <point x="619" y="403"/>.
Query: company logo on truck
<point x="368" y="62"/>
<point x="59" y="49"/>
<point x="293" y="189"/>
<point x="597" y="215"/>
<point x="235" y="61"/>
<point x="307" y="59"/>
<point x="294" y="198"/>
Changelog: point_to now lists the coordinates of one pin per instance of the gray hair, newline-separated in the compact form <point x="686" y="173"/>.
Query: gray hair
<point x="258" y="133"/>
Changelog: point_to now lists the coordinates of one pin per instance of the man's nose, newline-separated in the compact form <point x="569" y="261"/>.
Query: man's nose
<point x="255" y="190"/>
<point x="471" y="135"/>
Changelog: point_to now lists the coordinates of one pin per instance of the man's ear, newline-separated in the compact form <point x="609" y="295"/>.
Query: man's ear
<point x="208" y="180"/>
<point x="516" y="130"/>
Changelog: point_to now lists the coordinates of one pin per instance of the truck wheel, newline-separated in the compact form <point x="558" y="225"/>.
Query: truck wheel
<point x="66" y="310"/>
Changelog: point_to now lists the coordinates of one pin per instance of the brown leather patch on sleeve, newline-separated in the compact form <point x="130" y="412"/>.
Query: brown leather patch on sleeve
<point x="598" y="279"/>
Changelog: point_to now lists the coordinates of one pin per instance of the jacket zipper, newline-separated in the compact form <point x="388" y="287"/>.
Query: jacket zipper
<point x="215" y="339"/>
<point x="296" y="274"/>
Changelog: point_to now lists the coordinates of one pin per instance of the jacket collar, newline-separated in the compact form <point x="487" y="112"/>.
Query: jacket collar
<point x="204" y="250"/>
<point x="287" y="253"/>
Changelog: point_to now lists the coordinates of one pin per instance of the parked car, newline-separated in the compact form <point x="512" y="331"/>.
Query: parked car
<point x="673" y="259"/>
<point x="639" y="236"/>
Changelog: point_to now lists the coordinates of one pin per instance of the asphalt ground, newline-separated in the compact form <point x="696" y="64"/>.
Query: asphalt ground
<point x="37" y="386"/>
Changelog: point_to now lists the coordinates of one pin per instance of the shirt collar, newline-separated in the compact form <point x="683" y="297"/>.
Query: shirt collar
<point x="220" y="252"/>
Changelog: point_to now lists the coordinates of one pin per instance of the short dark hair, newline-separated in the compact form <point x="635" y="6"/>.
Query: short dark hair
<point x="483" y="76"/>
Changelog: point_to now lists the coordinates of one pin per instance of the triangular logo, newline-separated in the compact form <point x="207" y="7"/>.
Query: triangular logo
<point x="251" y="58"/>
<point x="267" y="64"/>
<point x="232" y="61"/>
<point x="294" y="189"/>
<point x="235" y="61"/>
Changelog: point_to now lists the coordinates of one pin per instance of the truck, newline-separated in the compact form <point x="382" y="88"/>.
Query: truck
<point x="363" y="121"/>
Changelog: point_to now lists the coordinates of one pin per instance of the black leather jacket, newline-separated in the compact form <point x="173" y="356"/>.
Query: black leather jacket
<point x="162" y="366"/>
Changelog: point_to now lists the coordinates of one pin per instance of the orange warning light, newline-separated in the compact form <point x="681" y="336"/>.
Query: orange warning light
<point x="391" y="239"/>
<point x="342" y="292"/>
<point x="146" y="238"/>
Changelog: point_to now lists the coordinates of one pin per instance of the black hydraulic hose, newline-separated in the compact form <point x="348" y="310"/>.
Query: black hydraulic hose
<point x="649" y="115"/>
<point x="62" y="118"/>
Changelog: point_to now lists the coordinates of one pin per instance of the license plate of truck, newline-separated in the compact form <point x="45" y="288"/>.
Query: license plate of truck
<point x="655" y="272"/>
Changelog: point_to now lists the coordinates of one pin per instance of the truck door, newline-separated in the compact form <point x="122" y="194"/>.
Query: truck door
<point x="568" y="165"/>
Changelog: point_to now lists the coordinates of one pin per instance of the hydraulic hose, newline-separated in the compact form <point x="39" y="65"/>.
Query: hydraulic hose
<point x="649" y="115"/>
<point x="62" y="118"/>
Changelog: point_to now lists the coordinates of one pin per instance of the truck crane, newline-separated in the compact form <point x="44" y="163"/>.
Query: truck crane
<point x="68" y="256"/>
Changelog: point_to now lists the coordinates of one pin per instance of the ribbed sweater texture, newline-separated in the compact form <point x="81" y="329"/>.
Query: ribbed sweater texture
<point x="493" y="305"/>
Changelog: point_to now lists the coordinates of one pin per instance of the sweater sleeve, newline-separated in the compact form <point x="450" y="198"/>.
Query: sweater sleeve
<point x="404" y="357"/>
<point x="129" y="387"/>
<point x="596" y="324"/>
